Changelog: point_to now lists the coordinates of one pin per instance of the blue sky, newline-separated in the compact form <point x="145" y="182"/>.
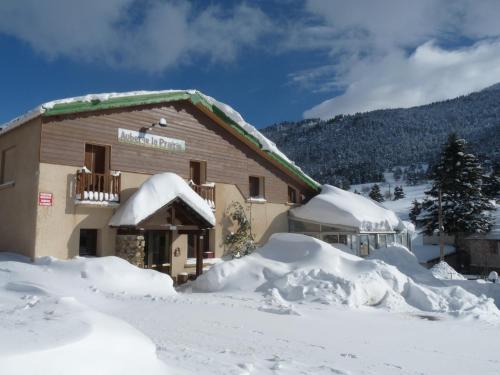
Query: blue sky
<point x="272" y="60"/>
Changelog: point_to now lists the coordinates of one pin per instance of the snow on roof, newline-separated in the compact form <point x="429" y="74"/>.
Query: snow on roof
<point x="337" y="207"/>
<point x="89" y="98"/>
<point x="229" y="112"/>
<point x="155" y="193"/>
<point x="427" y="253"/>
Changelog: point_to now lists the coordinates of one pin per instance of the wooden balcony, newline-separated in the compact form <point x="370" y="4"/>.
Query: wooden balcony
<point x="97" y="187"/>
<point x="206" y="191"/>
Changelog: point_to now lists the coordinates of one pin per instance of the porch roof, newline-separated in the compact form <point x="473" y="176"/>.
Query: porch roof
<point x="154" y="194"/>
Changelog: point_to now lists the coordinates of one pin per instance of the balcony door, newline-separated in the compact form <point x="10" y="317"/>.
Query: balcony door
<point x="197" y="172"/>
<point x="97" y="162"/>
<point x="95" y="158"/>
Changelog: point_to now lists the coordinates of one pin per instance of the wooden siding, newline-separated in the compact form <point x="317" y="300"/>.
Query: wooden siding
<point x="228" y="159"/>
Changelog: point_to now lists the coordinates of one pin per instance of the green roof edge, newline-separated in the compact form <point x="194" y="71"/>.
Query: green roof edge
<point x="195" y="98"/>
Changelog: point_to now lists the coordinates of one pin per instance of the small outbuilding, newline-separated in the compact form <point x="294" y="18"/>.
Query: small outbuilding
<point x="483" y="250"/>
<point x="337" y="216"/>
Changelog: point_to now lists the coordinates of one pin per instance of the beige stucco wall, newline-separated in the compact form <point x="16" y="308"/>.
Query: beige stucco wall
<point x="18" y="203"/>
<point x="58" y="229"/>
<point x="178" y="262"/>
<point x="266" y="218"/>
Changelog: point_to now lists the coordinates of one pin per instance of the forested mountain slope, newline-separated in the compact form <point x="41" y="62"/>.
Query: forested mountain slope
<point x="358" y="148"/>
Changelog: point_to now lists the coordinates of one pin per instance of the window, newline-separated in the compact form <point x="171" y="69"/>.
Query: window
<point x="192" y="246"/>
<point x="354" y="242"/>
<point x="303" y="227"/>
<point x="292" y="195"/>
<point x="382" y="241"/>
<point x="88" y="242"/>
<point x="335" y="238"/>
<point x="331" y="238"/>
<point x="7" y="167"/>
<point x="343" y="239"/>
<point x="363" y="245"/>
<point x="372" y="242"/>
<point x="256" y="187"/>
<point x="157" y="249"/>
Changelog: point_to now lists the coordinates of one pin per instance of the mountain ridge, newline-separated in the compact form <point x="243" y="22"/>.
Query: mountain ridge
<point x="358" y="148"/>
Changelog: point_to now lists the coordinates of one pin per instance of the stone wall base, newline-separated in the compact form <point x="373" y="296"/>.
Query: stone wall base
<point x="131" y="248"/>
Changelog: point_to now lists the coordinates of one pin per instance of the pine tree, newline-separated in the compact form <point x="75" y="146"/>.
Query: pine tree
<point x="458" y="177"/>
<point x="416" y="209"/>
<point x="398" y="193"/>
<point x="375" y="193"/>
<point x="491" y="183"/>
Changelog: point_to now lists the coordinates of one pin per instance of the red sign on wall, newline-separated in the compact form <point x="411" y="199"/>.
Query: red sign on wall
<point x="45" y="199"/>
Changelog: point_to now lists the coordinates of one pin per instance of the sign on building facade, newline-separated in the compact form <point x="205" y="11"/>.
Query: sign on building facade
<point x="45" y="199"/>
<point x="150" y="140"/>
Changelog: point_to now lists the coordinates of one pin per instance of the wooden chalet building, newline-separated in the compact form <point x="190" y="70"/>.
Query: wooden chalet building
<point x="68" y="166"/>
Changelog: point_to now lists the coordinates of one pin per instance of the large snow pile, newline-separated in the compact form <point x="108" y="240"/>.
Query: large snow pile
<point x="156" y="192"/>
<point x="47" y="328"/>
<point x="334" y="206"/>
<point x="444" y="271"/>
<point x="301" y="268"/>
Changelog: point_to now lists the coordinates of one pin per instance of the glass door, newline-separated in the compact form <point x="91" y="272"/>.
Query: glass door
<point x="157" y="250"/>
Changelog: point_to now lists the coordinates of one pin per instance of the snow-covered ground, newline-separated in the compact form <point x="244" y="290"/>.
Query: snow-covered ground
<point x="316" y="310"/>
<point x="401" y="206"/>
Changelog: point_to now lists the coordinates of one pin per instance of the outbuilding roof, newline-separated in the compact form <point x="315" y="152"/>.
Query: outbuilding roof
<point x="337" y="207"/>
<point x="218" y="110"/>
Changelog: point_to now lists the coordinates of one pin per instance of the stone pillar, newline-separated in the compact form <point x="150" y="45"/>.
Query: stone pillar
<point x="131" y="248"/>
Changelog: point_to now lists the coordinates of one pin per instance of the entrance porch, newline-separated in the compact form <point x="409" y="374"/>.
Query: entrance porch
<point x="162" y="225"/>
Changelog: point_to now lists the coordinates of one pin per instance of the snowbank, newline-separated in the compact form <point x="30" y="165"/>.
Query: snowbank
<point x="444" y="271"/>
<point x="156" y="192"/>
<point x="47" y="326"/>
<point x="302" y="268"/>
<point x="335" y="206"/>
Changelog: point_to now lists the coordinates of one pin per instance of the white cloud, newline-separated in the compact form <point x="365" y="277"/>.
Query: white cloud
<point x="151" y="35"/>
<point x="369" y="42"/>
<point x="429" y="74"/>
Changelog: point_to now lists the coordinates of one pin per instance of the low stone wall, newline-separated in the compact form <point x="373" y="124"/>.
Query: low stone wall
<point x="131" y="248"/>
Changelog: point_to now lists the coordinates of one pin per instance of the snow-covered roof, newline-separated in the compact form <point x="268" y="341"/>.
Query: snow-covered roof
<point x="156" y="192"/>
<point x="337" y="207"/>
<point x="223" y="111"/>
<point x="427" y="253"/>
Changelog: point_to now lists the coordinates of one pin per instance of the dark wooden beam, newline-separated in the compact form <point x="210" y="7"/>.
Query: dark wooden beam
<point x="199" y="255"/>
